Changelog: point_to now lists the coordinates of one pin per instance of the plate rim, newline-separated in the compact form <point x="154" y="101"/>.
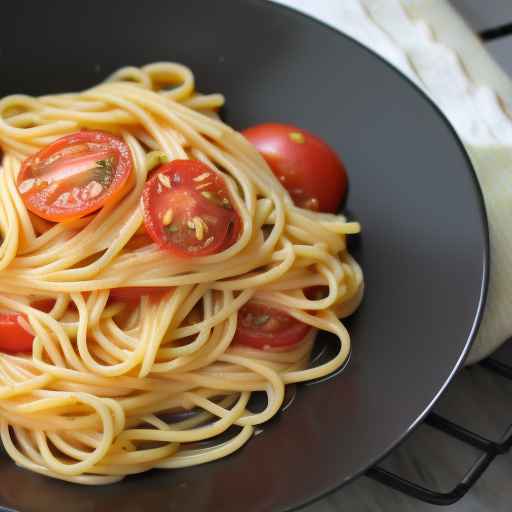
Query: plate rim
<point x="486" y="259"/>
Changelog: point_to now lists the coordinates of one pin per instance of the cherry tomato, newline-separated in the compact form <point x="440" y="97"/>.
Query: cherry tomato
<point x="188" y="210"/>
<point x="14" y="336"/>
<point x="134" y="293"/>
<point x="307" y="167"/>
<point x="263" y="327"/>
<point x="75" y="175"/>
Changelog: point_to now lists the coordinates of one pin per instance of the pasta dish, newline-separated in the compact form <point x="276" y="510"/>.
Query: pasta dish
<point x="158" y="268"/>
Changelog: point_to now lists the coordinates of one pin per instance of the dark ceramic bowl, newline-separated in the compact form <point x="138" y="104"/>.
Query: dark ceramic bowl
<point x="424" y="247"/>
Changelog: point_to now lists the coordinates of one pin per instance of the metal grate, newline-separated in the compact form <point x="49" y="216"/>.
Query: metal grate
<point x="496" y="32"/>
<point x="489" y="451"/>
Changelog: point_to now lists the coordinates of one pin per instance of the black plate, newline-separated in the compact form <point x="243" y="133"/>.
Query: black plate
<point x="424" y="248"/>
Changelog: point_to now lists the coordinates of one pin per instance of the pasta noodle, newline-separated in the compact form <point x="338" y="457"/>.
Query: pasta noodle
<point x="111" y="390"/>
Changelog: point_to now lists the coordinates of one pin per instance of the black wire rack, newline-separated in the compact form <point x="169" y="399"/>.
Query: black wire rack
<point x="489" y="449"/>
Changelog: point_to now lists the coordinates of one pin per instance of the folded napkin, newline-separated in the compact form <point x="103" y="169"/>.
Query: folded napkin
<point x="431" y="44"/>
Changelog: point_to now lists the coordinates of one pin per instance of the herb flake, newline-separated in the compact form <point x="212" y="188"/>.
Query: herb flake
<point x="260" y="320"/>
<point x="105" y="171"/>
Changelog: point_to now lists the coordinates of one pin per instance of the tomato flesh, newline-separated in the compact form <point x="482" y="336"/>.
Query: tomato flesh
<point x="188" y="210"/>
<point x="307" y="167"/>
<point x="265" y="327"/>
<point x="14" y="337"/>
<point x="75" y="175"/>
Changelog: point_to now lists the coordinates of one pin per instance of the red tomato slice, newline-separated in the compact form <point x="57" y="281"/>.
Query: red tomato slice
<point x="134" y="293"/>
<point x="264" y="327"/>
<point x="14" y="337"/>
<point x="75" y="175"/>
<point x="188" y="210"/>
<point x="307" y="167"/>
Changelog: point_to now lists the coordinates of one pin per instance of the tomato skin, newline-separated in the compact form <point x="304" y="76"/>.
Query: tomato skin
<point x="134" y="293"/>
<point x="57" y="172"/>
<point x="14" y="338"/>
<point x="188" y="210"/>
<point x="307" y="167"/>
<point x="265" y="327"/>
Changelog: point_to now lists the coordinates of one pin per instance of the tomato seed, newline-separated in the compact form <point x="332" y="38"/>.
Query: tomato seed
<point x="167" y="218"/>
<point x="164" y="180"/>
<point x="26" y="185"/>
<point x="202" y="177"/>
<point x="200" y="227"/>
<point x="94" y="189"/>
<point x="63" y="199"/>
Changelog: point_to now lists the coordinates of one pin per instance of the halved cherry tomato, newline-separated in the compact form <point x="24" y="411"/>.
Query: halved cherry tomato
<point x="14" y="337"/>
<point x="307" y="167"/>
<point x="134" y="293"/>
<point x="264" y="327"/>
<point x="75" y="175"/>
<point x="188" y="210"/>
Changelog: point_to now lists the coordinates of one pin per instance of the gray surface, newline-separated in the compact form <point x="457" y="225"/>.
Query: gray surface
<point x="501" y="50"/>
<point x="480" y="401"/>
<point x="485" y="14"/>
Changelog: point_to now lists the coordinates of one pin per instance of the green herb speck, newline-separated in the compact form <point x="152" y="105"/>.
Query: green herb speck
<point x="261" y="320"/>
<point x="171" y="228"/>
<point x="106" y="171"/>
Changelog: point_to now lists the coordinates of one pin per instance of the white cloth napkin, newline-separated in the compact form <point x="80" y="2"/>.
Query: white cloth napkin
<point x="430" y="43"/>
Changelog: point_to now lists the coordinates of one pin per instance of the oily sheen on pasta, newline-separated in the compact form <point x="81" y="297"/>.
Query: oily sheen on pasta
<point x="110" y="388"/>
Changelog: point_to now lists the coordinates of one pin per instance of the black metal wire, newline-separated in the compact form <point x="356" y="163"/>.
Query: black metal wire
<point x="460" y="433"/>
<point x="490" y="450"/>
<point x="498" y="367"/>
<point x="496" y="32"/>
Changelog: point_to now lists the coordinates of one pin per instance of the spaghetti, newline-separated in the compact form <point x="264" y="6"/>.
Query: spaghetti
<point x="113" y="387"/>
